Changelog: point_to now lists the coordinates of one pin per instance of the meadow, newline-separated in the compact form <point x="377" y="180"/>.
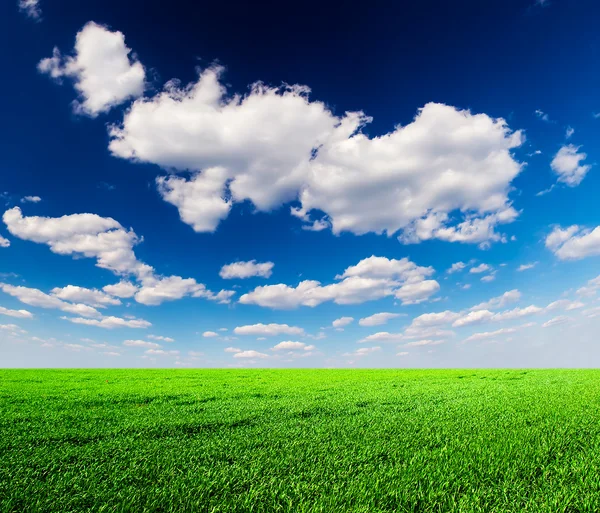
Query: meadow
<point x="300" y="440"/>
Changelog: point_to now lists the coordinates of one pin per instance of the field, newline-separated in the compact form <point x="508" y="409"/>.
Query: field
<point x="300" y="440"/>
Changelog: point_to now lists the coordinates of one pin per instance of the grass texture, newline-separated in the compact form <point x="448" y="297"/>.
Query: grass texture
<point x="300" y="441"/>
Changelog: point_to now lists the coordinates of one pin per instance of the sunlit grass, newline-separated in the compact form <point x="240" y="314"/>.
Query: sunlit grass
<point x="300" y="440"/>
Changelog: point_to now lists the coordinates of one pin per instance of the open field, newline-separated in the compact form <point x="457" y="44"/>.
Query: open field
<point x="300" y="440"/>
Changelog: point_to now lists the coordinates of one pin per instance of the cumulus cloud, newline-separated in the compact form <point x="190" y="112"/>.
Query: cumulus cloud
<point x="481" y="268"/>
<point x="31" y="199"/>
<point x="377" y="319"/>
<point x="342" y="321"/>
<point x="490" y="334"/>
<point x="435" y="319"/>
<point x="103" y="71"/>
<point x="364" y="351"/>
<point x="474" y="317"/>
<point x="246" y="270"/>
<point x="268" y="330"/>
<point x="456" y="267"/>
<point x="91" y="297"/>
<point x="250" y="354"/>
<point x="31" y="8"/>
<point x="232" y="350"/>
<point x="110" y="322"/>
<point x="123" y="289"/>
<point x="156" y="290"/>
<point x="567" y="165"/>
<point x="288" y="345"/>
<point x="411" y="333"/>
<point x="19" y="314"/>
<point x="565" y="304"/>
<point x="574" y="242"/>
<point x="517" y="313"/>
<point x="159" y="337"/>
<point x="4" y="243"/>
<point x="89" y="235"/>
<point x="425" y="342"/>
<point x="35" y="297"/>
<point x="210" y="334"/>
<point x="445" y="175"/>
<point x="372" y="278"/>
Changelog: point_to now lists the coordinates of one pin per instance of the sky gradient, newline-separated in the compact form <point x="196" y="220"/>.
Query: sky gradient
<point x="400" y="186"/>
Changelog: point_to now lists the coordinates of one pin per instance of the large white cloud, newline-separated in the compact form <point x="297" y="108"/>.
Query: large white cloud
<point x="246" y="270"/>
<point x="445" y="175"/>
<point x="372" y="278"/>
<point x="92" y="297"/>
<point x="567" y="165"/>
<point x="103" y="72"/>
<point x="35" y="297"/>
<point x="89" y="235"/>
<point x="574" y="242"/>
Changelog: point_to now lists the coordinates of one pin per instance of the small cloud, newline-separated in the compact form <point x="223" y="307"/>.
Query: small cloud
<point x="570" y="131"/>
<point x="540" y="113"/>
<point x="210" y="334"/>
<point x="31" y="8"/>
<point x="31" y="199"/>
<point x="526" y="267"/>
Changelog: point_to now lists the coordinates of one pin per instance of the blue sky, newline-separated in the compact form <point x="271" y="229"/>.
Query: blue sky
<point x="398" y="186"/>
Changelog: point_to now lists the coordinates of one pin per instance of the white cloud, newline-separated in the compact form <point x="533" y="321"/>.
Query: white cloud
<point x="456" y="267"/>
<point x="268" y="330"/>
<point x="123" y="289"/>
<point x="565" y="304"/>
<point x="481" y="268"/>
<point x="526" y="267"/>
<point x="364" y="351"/>
<point x="159" y="337"/>
<point x="567" y="165"/>
<point x="4" y="243"/>
<point x="517" y="313"/>
<point x="511" y="296"/>
<point x="31" y="199"/>
<point x="81" y="234"/>
<point x="435" y="319"/>
<point x="246" y="270"/>
<point x="288" y="345"/>
<point x="274" y="145"/>
<point x="111" y="353"/>
<point x="342" y="321"/>
<point x="161" y="352"/>
<point x="19" y="314"/>
<point x="490" y="334"/>
<point x="474" y="317"/>
<point x="233" y="350"/>
<point x="411" y="333"/>
<point x="157" y="289"/>
<point x="35" y="297"/>
<point x="103" y="72"/>
<point x="569" y="132"/>
<point x="141" y="343"/>
<point x="574" y="242"/>
<point x="561" y="319"/>
<point x="488" y="278"/>
<point x="210" y="334"/>
<point x="402" y="353"/>
<point x="250" y="354"/>
<point x="92" y="297"/>
<point x="377" y="319"/>
<point x="31" y="8"/>
<point x="13" y="329"/>
<point x="425" y="342"/>
<point x="110" y="322"/>
<point x="372" y="278"/>
<point x="590" y="288"/>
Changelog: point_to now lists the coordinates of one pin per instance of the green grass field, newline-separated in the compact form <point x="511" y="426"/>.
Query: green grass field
<point x="299" y="440"/>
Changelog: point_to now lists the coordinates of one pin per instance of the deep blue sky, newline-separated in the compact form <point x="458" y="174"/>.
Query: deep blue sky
<point x="504" y="59"/>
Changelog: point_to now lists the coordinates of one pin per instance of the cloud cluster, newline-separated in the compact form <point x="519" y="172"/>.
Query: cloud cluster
<point x="372" y="278"/>
<point x="103" y="72"/>
<point x="445" y="175"/>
